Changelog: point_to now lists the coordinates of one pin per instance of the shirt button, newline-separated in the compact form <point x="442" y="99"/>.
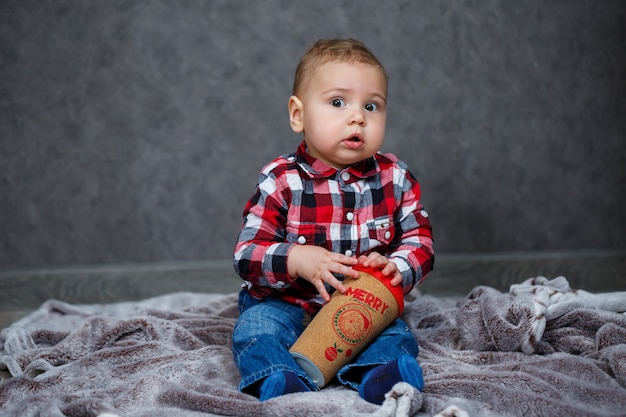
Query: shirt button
<point x="348" y="252"/>
<point x="302" y="240"/>
<point x="350" y="216"/>
<point x="387" y="234"/>
<point x="345" y="176"/>
<point x="424" y="213"/>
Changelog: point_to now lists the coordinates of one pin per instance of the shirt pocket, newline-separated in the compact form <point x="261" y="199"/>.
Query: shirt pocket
<point x="307" y="234"/>
<point x="381" y="230"/>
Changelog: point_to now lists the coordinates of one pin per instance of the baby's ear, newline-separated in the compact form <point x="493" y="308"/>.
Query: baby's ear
<point x="295" y="114"/>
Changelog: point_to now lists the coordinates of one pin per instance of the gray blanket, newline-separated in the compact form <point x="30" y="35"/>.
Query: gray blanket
<point x="541" y="349"/>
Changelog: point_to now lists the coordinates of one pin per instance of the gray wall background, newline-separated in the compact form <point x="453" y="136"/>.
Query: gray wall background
<point x="134" y="131"/>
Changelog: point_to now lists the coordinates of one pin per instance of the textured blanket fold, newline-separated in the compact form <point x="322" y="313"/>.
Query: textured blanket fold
<point x="542" y="349"/>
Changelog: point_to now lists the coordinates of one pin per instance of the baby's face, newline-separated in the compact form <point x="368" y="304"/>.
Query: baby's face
<point x="344" y="112"/>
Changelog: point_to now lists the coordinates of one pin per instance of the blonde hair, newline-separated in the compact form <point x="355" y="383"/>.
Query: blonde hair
<point x="333" y="50"/>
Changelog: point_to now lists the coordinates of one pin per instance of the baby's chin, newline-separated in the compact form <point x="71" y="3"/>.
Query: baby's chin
<point x="348" y="162"/>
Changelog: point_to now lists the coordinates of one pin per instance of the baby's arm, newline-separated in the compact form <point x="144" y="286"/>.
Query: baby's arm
<point x="265" y="258"/>
<point x="317" y="265"/>
<point x="409" y="256"/>
<point x="412" y="249"/>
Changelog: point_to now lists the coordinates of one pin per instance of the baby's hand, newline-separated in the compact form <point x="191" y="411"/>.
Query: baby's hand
<point x="388" y="268"/>
<point x="317" y="265"/>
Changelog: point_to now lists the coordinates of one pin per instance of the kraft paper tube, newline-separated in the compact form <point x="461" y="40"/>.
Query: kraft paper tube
<point x="347" y="324"/>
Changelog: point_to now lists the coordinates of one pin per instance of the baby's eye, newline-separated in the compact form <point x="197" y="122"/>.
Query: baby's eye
<point x="371" y="107"/>
<point x="337" y="102"/>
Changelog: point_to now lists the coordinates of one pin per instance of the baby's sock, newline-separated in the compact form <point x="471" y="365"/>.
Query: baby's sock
<point x="379" y="380"/>
<point x="280" y="383"/>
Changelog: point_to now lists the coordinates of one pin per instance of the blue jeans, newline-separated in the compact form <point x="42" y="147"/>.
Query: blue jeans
<point x="267" y="328"/>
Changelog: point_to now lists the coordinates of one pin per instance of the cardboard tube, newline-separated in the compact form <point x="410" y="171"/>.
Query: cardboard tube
<point x="347" y="324"/>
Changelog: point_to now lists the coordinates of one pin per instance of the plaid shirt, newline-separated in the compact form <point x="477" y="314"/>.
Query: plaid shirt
<point x="370" y="206"/>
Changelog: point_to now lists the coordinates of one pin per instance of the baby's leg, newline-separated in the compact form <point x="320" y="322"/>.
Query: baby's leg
<point x="395" y="346"/>
<point x="262" y="337"/>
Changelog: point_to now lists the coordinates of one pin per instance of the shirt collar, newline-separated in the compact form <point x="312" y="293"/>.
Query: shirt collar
<point x="318" y="169"/>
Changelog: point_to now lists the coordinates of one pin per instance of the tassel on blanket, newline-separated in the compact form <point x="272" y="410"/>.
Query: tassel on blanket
<point x="402" y="401"/>
<point x="453" y="411"/>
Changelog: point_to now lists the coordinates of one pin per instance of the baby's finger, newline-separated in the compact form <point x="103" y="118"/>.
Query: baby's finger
<point x="335" y="283"/>
<point x="363" y="260"/>
<point x="345" y="260"/>
<point x="390" y="269"/>
<point x="321" y="288"/>
<point x="396" y="280"/>
<point x="342" y="269"/>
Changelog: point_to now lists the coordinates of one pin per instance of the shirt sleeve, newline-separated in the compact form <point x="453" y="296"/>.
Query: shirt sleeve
<point x="412" y="249"/>
<point x="260" y="255"/>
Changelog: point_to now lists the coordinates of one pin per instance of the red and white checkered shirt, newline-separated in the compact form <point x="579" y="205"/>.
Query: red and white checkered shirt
<point x="371" y="206"/>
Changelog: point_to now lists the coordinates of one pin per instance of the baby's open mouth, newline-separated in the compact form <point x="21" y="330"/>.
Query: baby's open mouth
<point x="355" y="138"/>
<point x="354" y="141"/>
